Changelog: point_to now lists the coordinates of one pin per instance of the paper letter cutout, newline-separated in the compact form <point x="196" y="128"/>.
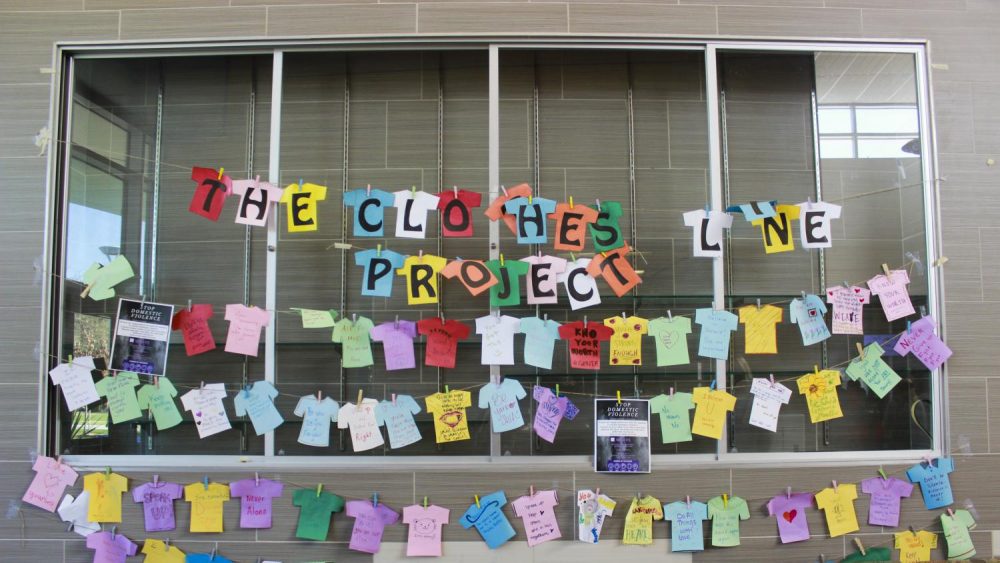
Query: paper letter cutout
<point x="581" y="288"/>
<point x="530" y="218"/>
<point x="767" y="400"/>
<point x="205" y="405"/>
<point x="442" y="340"/>
<point x="593" y="509"/>
<point x="193" y="324"/>
<point x="257" y="402"/>
<point x="489" y="519"/>
<point x="210" y="195"/>
<point x="379" y="270"/>
<point x="316" y="418"/>
<point x="814" y="223"/>
<point x="920" y="339"/>
<point x="369" y="211"/>
<point x="847" y="304"/>
<point x="543" y="275"/>
<point x="708" y="231"/>
<point x="502" y="400"/>
<point x="675" y="420"/>
<point x="473" y="274"/>
<point x="101" y="280"/>
<point x="245" y="324"/>
<point x="411" y="217"/>
<point x="615" y="269"/>
<point x="256" y="199"/>
<point x="421" y="278"/>
<point x="456" y="217"/>
<point x="448" y="411"/>
<point x="838" y="505"/>
<point x="571" y="226"/>
<point x="507" y="292"/>
<point x="50" y="481"/>
<point x="777" y="230"/>
<point x="605" y="231"/>
<point x="820" y="389"/>
<point x="495" y="211"/>
<point x="538" y="512"/>
<point x="300" y="202"/>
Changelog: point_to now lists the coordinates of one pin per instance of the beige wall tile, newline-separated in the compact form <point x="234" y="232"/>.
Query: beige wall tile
<point x="346" y="20"/>
<point x="451" y="17"/>
<point x="193" y="23"/>
<point x="792" y="22"/>
<point x="641" y="19"/>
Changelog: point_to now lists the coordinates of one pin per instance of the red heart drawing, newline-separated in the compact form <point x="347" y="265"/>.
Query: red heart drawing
<point x="857" y="290"/>
<point x="790" y="515"/>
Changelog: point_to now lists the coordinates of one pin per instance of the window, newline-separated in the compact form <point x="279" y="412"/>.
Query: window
<point x="586" y="122"/>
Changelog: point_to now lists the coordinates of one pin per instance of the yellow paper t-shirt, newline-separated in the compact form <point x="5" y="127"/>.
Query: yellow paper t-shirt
<point x="838" y="505"/>
<point x="626" y="340"/>
<point x="759" y="333"/>
<point x="639" y="520"/>
<point x="157" y="552"/>
<point x="820" y="390"/>
<point x="915" y="547"/>
<point x="448" y="410"/>
<point x="206" y="505"/>
<point x="105" y="496"/>
<point x="301" y="206"/>
<point x="777" y="230"/>
<point x="421" y="274"/>
<point x="710" y="411"/>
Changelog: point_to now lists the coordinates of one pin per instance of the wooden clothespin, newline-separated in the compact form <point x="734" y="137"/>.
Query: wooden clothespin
<point x="477" y="500"/>
<point x="300" y="184"/>
<point x="557" y="390"/>
<point x="598" y="204"/>
<point x="215" y="550"/>
<point x="912" y="531"/>
<point x="671" y="391"/>
<point x="908" y="327"/>
<point x="368" y="189"/>
<point x="951" y="512"/>
<point x="619" y="394"/>
<point x="885" y="269"/>
<point x="670" y="314"/>
<point x="319" y="395"/>
<point x="758" y="304"/>
<point x="504" y="190"/>
<point x="530" y="199"/>
<point x="861" y="547"/>
<point x="713" y="385"/>
<point x="354" y="317"/>
<point x="572" y="256"/>
<point x="816" y="369"/>
<point x="113" y="530"/>
<point x="707" y="209"/>
<point x="847" y="285"/>
<point x="772" y="379"/>
<point x="413" y="191"/>
<point x="454" y="190"/>
<point x="156" y="480"/>
<point x="190" y="305"/>
<point x="361" y="395"/>
<point x="861" y="351"/>
<point x="585" y="321"/>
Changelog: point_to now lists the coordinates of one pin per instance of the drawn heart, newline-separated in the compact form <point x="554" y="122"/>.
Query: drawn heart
<point x="857" y="290"/>
<point x="51" y="480"/>
<point x="790" y="515"/>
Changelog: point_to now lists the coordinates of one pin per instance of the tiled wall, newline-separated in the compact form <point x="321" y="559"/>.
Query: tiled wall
<point x="966" y="95"/>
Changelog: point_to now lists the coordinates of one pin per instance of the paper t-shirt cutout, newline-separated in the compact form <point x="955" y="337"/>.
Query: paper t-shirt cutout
<point x="379" y="271"/>
<point x="767" y="400"/>
<point x="507" y="291"/>
<point x="883" y="510"/>
<point x="870" y="554"/>
<point x="760" y="336"/>
<point x="193" y="324"/>
<point x="369" y="523"/>
<point x="206" y="505"/>
<point x="397" y="343"/>
<point x="502" y="400"/>
<point x="397" y="417"/>
<point x="716" y="328"/>
<point x="777" y="230"/>
<point x="593" y="509"/>
<point x="75" y="511"/>
<point x="255" y="501"/>
<point x="495" y="211"/>
<point x="456" y="217"/>
<point x="790" y="512"/>
<point x="670" y="336"/>
<point x="542" y="280"/>
<point x="920" y="339"/>
<point x="915" y="547"/>
<point x="257" y="402"/>
<point x="820" y="390"/>
<point x="448" y="412"/>
<point x="539" y="341"/>
<point x="206" y="558"/>
<point x="639" y="520"/>
<point x="571" y="226"/>
<point x="616" y="270"/>
<point x="411" y="217"/>
<point x="369" y="210"/>
<point x="892" y="294"/>
<point x="847" y="304"/>
<point x="424" y="536"/>
<point x="707" y="229"/>
<point x="710" y="411"/>
<point x="584" y="342"/>
<point x="158" y="398"/>
<point x="245" y="324"/>
<point x="754" y="210"/>
<point x="876" y="374"/>
<point x="158" y="552"/>
<point x="442" y="340"/>
<point x="605" y="230"/>
<point x="814" y="223"/>
<point x="473" y="274"/>
<point x="210" y="193"/>
<point x="315" y="513"/>
<point x="489" y="519"/>
<point x="76" y="382"/>
<point x="675" y="420"/>
<point x="838" y="505"/>
<point x="205" y="405"/>
<point x="301" y="204"/>
<point x="956" y="534"/>
<point x="316" y="418"/>
<point x="256" y="199"/>
<point x="317" y="318"/>
<point x="808" y="314"/>
<point x="355" y="337"/>
<point x="120" y="392"/>
<point x="581" y="288"/>
<point x="550" y="412"/>
<point x="421" y="278"/>
<point x="365" y="434"/>
<point x="157" y="500"/>
<point x="935" y="485"/>
<point x="105" y="496"/>
<point x="498" y="338"/>
<point x="101" y="280"/>
<point x="530" y="215"/>
<point x="538" y="512"/>
<point x="726" y="516"/>
<point x="686" y="531"/>
<point x="110" y="548"/>
<point x="626" y="340"/>
<point x="50" y="481"/>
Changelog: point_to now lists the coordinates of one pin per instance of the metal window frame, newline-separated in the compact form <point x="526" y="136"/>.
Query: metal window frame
<point x="65" y="53"/>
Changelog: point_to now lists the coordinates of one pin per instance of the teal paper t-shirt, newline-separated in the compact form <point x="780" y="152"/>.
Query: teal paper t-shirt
<point x="507" y="291"/>
<point x="675" y="417"/>
<point x="539" y="341"/>
<point x="379" y="271"/>
<point x="159" y="398"/>
<point x="316" y="511"/>
<point x="489" y="520"/>
<point x="369" y="210"/>
<point x="397" y="417"/>
<point x="531" y="219"/>
<point x="716" y="328"/>
<point x="258" y="403"/>
<point x="502" y="400"/>
<point x="686" y="533"/>
<point x="120" y="391"/>
<point x="809" y="314"/>
<point x="605" y="232"/>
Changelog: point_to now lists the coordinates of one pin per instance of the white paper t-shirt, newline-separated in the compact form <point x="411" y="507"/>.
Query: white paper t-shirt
<point x="76" y="382"/>
<point x="767" y="401"/>
<point x="814" y="223"/>
<point x="75" y="511"/>
<point x="411" y="212"/>
<point x="593" y="509"/>
<point x="542" y="278"/>
<point x="498" y="339"/>
<point x="709" y="245"/>
<point x="206" y="405"/>
<point x="365" y="434"/>
<point x="581" y="289"/>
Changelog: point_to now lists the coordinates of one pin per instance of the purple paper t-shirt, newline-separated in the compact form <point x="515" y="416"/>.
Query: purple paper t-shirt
<point x="110" y="549"/>
<point x="884" y="508"/>
<point x="551" y="410"/>
<point x="791" y="515"/>
<point x="369" y="523"/>
<point x="158" y="504"/>
<point x="255" y="503"/>
<point x="920" y="339"/>
<point x="397" y="343"/>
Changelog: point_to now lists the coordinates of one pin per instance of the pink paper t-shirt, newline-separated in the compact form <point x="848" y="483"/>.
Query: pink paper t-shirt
<point x="539" y="516"/>
<point x="51" y="480"/>
<point x="255" y="503"/>
<point x="245" y="324"/>
<point x="424" y="539"/>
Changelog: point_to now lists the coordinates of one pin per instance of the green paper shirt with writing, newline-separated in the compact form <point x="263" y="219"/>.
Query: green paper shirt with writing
<point x="159" y="398"/>
<point x="876" y="374"/>
<point x="316" y="511"/>
<point x="675" y="417"/>
<point x="956" y="534"/>
<point x="355" y="336"/>
<point x="725" y="519"/>
<point x="120" y="391"/>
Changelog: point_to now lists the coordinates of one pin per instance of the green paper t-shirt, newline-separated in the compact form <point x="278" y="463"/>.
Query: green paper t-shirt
<point x="605" y="232"/>
<point x="726" y="520"/>
<point x="871" y="554"/>
<point x="120" y="391"/>
<point x="159" y="398"/>
<point x="355" y="336"/>
<point x="675" y="420"/>
<point x="314" y="518"/>
<point x="670" y="336"/>
<point x="507" y="291"/>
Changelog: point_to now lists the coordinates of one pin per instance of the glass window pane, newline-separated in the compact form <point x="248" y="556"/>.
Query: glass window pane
<point x="883" y="147"/>
<point x="834" y="120"/>
<point x="886" y="119"/>
<point x="836" y="148"/>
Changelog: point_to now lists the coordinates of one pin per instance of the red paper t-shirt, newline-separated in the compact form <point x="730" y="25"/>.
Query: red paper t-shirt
<point x="210" y="195"/>
<point x="193" y="325"/>
<point x="442" y="340"/>
<point x="585" y="343"/>
<point x="456" y="219"/>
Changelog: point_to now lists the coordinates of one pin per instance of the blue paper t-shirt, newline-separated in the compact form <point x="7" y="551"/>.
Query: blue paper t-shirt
<point x="532" y="218"/>
<point x="540" y="341"/>
<point x="686" y="532"/>
<point x="716" y="328"/>
<point x="502" y="400"/>
<point x="258" y="403"/>
<point x="369" y="211"/>
<point x="935" y="484"/>
<point x="380" y="270"/>
<point x="489" y="520"/>
<point x="205" y="558"/>
<point x="808" y="314"/>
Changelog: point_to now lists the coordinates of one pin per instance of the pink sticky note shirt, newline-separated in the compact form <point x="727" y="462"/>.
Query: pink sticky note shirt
<point x="884" y="507"/>
<point x="245" y="324"/>
<point x="108" y="549"/>
<point x="924" y="344"/>
<point x="791" y="515"/>
<point x="892" y="294"/>
<point x="51" y="480"/>
<point x="539" y="516"/>
<point x="424" y="539"/>
<point x="369" y="523"/>
<point x="255" y="501"/>
<point x="158" y="504"/>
